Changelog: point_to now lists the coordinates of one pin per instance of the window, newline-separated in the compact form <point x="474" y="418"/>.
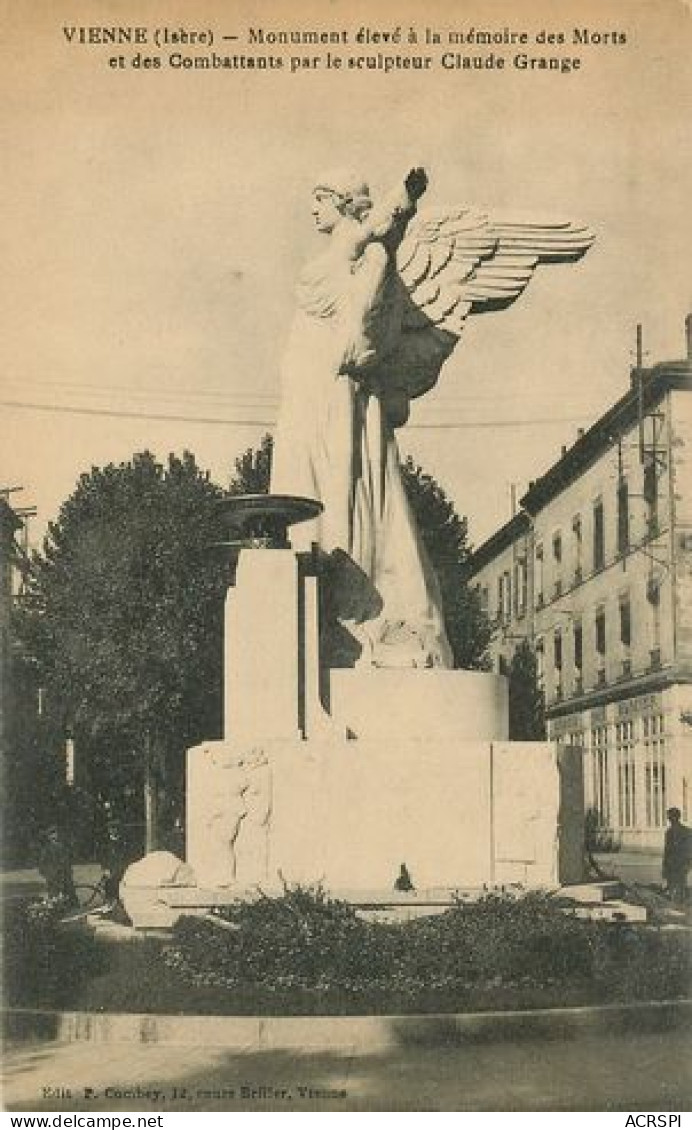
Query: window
<point x="625" y="621"/>
<point x="625" y="614"/>
<point x="651" y="495"/>
<point x="540" y="662"/>
<point x="557" y="563"/>
<point x="623" y="517"/>
<point x="504" y="596"/>
<point x="626" y="780"/>
<point x="654" y="770"/>
<point x="577" y="544"/>
<point x="507" y="595"/>
<point x="600" y="774"/>
<point x="578" y="647"/>
<point x="539" y="576"/>
<point x="600" y="641"/>
<point x="520" y="585"/>
<point x="557" y="649"/>
<point x="557" y="661"/>
<point x="601" y="632"/>
<point x="653" y="594"/>
<point x="598" y="536"/>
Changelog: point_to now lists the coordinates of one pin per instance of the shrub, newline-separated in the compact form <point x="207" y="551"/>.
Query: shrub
<point x="305" y="940"/>
<point x="299" y="939"/>
<point x="44" y="959"/>
<point x="596" y="837"/>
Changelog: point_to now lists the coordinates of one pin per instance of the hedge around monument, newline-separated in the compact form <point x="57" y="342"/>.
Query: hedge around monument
<point x="307" y="942"/>
<point x="307" y="954"/>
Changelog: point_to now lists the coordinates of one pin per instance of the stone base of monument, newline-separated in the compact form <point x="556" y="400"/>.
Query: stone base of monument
<point x="461" y="815"/>
<point x="340" y="777"/>
<point x="347" y="814"/>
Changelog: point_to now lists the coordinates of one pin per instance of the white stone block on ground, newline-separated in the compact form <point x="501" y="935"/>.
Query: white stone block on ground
<point x="592" y="892"/>
<point x="142" y="884"/>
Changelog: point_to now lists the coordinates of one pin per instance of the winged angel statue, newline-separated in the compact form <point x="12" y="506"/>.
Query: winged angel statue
<point x="378" y="314"/>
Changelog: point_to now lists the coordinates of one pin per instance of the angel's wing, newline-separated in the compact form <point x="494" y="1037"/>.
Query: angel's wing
<point x="454" y="263"/>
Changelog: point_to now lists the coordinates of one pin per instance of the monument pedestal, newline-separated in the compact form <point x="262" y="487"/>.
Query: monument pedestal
<point x="347" y="813"/>
<point x="339" y="777"/>
<point x="390" y="766"/>
<point x="386" y="703"/>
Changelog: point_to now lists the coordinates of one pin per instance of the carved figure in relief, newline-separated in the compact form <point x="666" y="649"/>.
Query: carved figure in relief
<point x="251" y="839"/>
<point x="378" y="314"/>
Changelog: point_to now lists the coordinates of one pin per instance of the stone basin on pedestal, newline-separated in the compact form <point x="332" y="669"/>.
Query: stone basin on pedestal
<point x="262" y="521"/>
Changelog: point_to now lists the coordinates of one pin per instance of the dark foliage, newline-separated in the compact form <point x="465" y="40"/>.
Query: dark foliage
<point x="526" y="700"/>
<point x="122" y="619"/>
<point x="35" y="791"/>
<point x="253" y="469"/>
<point x="45" y="961"/>
<point x="596" y="837"/>
<point x="307" y="941"/>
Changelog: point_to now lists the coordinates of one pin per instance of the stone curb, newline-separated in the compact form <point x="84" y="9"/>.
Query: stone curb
<point x="347" y="1034"/>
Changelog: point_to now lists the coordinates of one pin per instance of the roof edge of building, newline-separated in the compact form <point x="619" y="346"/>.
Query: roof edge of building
<point x="656" y="382"/>
<point x="519" y="524"/>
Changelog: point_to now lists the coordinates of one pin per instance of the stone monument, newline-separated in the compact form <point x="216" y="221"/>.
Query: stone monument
<point x="350" y="745"/>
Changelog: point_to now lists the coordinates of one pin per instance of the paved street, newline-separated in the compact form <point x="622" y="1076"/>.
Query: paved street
<point x="633" y="866"/>
<point x="585" y="1070"/>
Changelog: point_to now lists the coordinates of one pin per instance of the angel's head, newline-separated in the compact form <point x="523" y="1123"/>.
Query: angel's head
<point x="338" y="193"/>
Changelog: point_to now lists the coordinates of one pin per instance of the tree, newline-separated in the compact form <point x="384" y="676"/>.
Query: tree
<point x="526" y="701"/>
<point x="445" y="537"/>
<point x="252" y="469"/>
<point x="35" y="793"/>
<point x="123" y="618"/>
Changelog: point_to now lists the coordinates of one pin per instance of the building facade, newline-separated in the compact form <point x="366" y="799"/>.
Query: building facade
<point x="595" y="571"/>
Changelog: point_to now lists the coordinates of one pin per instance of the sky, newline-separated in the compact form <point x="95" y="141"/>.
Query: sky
<point x="156" y="221"/>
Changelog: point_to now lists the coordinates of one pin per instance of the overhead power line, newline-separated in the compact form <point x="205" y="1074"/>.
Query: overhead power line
<point x="264" y="422"/>
<point x="253" y="398"/>
<point x="90" y="388"/>
<point x="269" y="423"/>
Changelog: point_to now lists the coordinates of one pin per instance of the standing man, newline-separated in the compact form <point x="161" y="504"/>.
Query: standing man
<point x="55" y="865"/>
<point x="677" y="855"/>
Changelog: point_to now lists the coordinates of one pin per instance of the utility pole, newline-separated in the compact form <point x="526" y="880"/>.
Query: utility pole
<point x="9" y="524"/>
<point x="640" y="388"/>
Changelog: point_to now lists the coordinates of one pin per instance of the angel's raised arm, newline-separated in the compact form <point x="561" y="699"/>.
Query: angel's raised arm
<point x="388" y="219"/>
